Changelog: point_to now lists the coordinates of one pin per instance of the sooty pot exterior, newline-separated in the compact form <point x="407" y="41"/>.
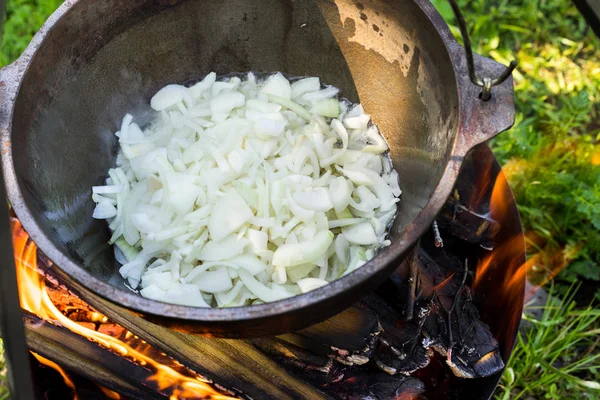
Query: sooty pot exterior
<point x="93" y="61"/>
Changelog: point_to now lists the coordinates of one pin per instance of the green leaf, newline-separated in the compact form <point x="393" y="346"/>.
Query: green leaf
<point x="586" y="269"/>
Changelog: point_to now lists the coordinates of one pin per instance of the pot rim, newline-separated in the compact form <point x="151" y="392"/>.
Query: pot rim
<point x="10" y="80"/>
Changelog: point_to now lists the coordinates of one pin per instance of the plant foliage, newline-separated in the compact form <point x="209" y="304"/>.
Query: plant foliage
<point x="551" y="156"/>
<point x="22" y="20"/>
<point x="557" y="355"/>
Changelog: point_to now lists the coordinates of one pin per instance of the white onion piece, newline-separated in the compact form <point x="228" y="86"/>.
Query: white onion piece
<point x="362" y="233"/>
<point x="262" y="106"/>
<point x="185" y="294"/>
<point x="225" y="298"/>
<point x="169" y="96"/>
<point x="358" y="122"/>
<point x="109" y="189"/>
<point x="229" y="247"/>
<point x="199" y="88"/>
<point x="309" y="284"/>
<point x="368" y="201"/>
<point x="305" y="85"/>
<point x="277" y="85"/>
<point x="322" y="94"/>
<point x="300" y="271"/>
<point x="260" y="290"/>
<point x="289" y="255"/>
<point x="340" y="192"/>
<point x="227" y="102"/>
<point x="316" y="200"/>
<point x="230" y="212"/>
<point x="213" y="281"/>
<point x="104" y="210"/>
<point x="342" y="247"/>
<point x="249" y="262"/>
<point x="369" y="178"/>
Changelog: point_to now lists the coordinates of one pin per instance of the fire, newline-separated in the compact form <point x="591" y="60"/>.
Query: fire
<point x="442" y="284"/>
<point x="35" y="299"/>
<point x="110" y="394"/>
<point x="540" y="267"/>
<point x="500" y="202"/>
<point x="61" y="371"/>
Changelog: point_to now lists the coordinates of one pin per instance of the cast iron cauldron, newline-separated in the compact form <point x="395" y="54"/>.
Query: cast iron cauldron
<point x="93" y="61"/>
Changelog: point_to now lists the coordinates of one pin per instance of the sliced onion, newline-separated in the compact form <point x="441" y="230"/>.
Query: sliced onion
<point x="169" y="96"/>
<point x="289" y="255"/>
<point x="277" y="85"/>
<point x="231" y="191"/>
<point x="229" y="213"/>
<point x="362" y="233"/>
<point x="305" y="85"/>
<point x="317" y="199"/>
<point x="104" y="210"/>
<point x="229" y="247"/>
<point x="309" y="284"/>
<point x="340" y="192"/>
<point x="213" y="281"/>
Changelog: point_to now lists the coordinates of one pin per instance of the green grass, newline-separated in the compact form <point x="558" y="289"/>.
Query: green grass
<point x="552" y="159"/>
<point x="3" y="386"/>
<point x="558" y="356"/>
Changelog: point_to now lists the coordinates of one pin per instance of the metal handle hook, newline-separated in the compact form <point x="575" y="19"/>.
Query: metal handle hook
<point x="487" y="82"/>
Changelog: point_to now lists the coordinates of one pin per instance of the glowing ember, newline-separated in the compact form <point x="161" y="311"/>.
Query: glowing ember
<point x="446" y="281"/>
<point x="110" y="394"/>
<point x="35" y="299"/>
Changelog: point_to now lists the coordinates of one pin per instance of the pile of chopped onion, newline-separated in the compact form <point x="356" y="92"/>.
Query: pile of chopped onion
<point x="244" y="192"/>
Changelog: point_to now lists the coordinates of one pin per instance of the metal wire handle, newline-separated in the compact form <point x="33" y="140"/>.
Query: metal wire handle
<point x="486" y="82"/>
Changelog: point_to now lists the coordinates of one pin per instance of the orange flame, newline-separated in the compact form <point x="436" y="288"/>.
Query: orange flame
<point x="500" y="202"/>
<point x="540" y="267"/>
<point x="110" y="394"/>
<point x="61" y="371"/>
<point x="35" y="299"/>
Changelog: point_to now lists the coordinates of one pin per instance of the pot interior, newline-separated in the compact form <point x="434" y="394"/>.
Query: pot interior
<point x="103" y="59"/>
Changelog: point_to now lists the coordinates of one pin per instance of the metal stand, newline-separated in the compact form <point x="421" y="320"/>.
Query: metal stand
<point x="11" y="316"/>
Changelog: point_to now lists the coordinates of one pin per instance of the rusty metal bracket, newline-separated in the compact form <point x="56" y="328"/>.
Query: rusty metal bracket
<point x="486" y="82"/>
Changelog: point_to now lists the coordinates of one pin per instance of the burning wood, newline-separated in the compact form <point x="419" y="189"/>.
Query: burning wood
<point x="71" y="348"/>
<point x="467" y="224"/>
<point x="373" y="350"/>
<point x="400" y="346"/>
<point x="83" y="357"/>
<point x="320" y="355"/>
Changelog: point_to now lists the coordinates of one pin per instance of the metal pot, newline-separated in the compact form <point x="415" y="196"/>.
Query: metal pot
<point x="93" y="61"/>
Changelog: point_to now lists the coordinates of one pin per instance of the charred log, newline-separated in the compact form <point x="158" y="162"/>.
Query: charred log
<point x="453" y="327"/>
<point x="374" y="386"/>
<point x="348" y="338"/>
<point x="293" y="355"/>
<point x="85" y="358"/>
<point x="400" y="345"/>
<point x="467" y="224"/>
<point x="458" y="334"/>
